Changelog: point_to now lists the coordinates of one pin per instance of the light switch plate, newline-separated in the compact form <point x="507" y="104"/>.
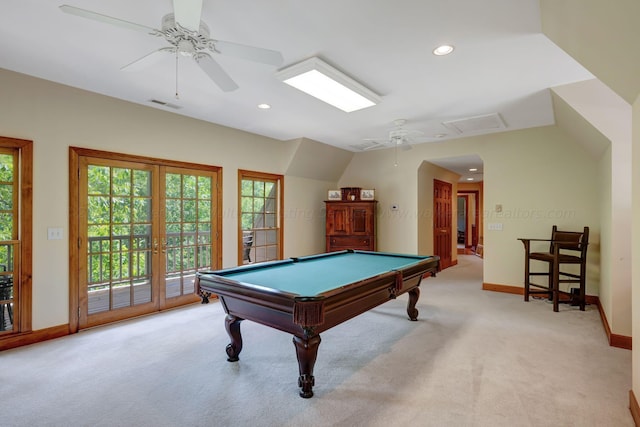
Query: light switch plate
<point x="54" y="233"/>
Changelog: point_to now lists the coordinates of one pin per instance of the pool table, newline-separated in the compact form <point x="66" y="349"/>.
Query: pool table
<point x="308" y="295"/>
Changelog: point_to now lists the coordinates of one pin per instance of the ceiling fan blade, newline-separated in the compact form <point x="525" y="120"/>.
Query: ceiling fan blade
<point x="251" y="53"/>
<point x="148" y="60"/>
<point x="187" y="13"/>
<point x="106" y="19"/>
<point x="216" y="73"/>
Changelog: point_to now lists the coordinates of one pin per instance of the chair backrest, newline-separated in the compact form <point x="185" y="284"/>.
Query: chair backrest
<point x="247" y="242"/>
<point x="575" y="240"/>
<point x="247" y="238"/>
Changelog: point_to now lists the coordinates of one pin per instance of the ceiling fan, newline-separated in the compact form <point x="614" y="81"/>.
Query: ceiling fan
<point x="398" y="137"/>
<point x="188" y="36"/>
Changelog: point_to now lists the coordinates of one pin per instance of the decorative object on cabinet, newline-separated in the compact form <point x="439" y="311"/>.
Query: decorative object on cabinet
<point x="334" y="195"/>
<point x="367" y="194"/>
<point x="351" y="224"/>
<point x="350" y="194"/>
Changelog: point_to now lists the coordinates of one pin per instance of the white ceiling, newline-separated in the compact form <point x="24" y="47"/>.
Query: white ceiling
<point x="502" y="63"/>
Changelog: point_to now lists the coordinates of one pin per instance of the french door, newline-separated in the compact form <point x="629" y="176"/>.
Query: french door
<point x="144" y="228"/>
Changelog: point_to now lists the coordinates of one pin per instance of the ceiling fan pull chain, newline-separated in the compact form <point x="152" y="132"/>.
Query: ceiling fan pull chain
<point x="395" y="163"/>
<point x="177" y="97"/>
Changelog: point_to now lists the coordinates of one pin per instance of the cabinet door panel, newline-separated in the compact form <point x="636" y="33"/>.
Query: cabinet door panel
<point x="338" y="220"/>
<point x="360" y="221"/>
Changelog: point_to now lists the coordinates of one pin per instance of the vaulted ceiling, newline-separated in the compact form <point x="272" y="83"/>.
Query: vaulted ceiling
<point x="497" y="78"/>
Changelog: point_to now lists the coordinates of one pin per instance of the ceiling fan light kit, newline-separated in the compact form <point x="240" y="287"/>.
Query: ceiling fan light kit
<point x="186" y="42"/>
<point x="324" y="82"/>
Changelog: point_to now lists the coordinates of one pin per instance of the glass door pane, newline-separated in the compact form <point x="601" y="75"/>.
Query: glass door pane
<point x="119" y="237"/>
<point x="8" y="268"/>
<point x="9" y="245"/>
<point x="188" y="229"/>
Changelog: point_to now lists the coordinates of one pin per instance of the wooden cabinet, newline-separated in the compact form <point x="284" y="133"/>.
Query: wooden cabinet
<point x="351" y="225"/>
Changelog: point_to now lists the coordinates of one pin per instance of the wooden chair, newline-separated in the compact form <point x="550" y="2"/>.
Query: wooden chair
<point x="247" y="242"/>
<point x="566" y="248"/>
<point x="6" y="300"/>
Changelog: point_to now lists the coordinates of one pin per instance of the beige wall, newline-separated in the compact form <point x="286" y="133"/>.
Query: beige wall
<point x="304" y="215"/>
<point x="605" y="116"/>
<point x="635" y="230"/>
<point x="603" y="37"/>
<point x="56" y="117"/>
<point x="540" y="176"/>
<point x="606" y="238"/>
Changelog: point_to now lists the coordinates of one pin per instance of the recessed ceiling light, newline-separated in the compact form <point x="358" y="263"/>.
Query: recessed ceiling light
<point x="445" y="49"/>
<point x="264" y="106"/>
<point x="473" y="169"/>
<point x="469" y="179"/>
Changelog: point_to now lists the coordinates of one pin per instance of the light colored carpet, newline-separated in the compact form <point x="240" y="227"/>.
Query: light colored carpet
<point x="474" y="358"/>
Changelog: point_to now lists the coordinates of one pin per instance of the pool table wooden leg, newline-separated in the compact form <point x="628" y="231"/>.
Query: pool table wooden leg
<point x="307" y="352"/>
<point x="412" y="311"/>
<point x="232" y="325"/>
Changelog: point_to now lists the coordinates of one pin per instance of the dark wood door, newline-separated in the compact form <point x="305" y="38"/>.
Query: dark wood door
<point x="442" y="221"/>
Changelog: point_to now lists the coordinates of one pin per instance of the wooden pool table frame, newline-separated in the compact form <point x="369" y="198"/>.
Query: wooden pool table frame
<point x="307" y="316"/>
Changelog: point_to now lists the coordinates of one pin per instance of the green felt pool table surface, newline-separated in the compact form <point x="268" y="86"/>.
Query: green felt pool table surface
<point x="314" y="275"/>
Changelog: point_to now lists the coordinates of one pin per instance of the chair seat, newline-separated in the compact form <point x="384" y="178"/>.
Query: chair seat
<point x="548" y="257"/>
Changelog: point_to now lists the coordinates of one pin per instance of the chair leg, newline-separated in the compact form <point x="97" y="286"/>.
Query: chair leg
<point x="556" y="287"/>
<point x="583" y="288"/>
<point x="551" y="276"/>
<point x="526" y="278"/>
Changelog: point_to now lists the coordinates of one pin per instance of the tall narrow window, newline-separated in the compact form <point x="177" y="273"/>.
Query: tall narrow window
<point x="9" y="244"/>
<point x="16" y="162"/>
<point x="260" y="222"/>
